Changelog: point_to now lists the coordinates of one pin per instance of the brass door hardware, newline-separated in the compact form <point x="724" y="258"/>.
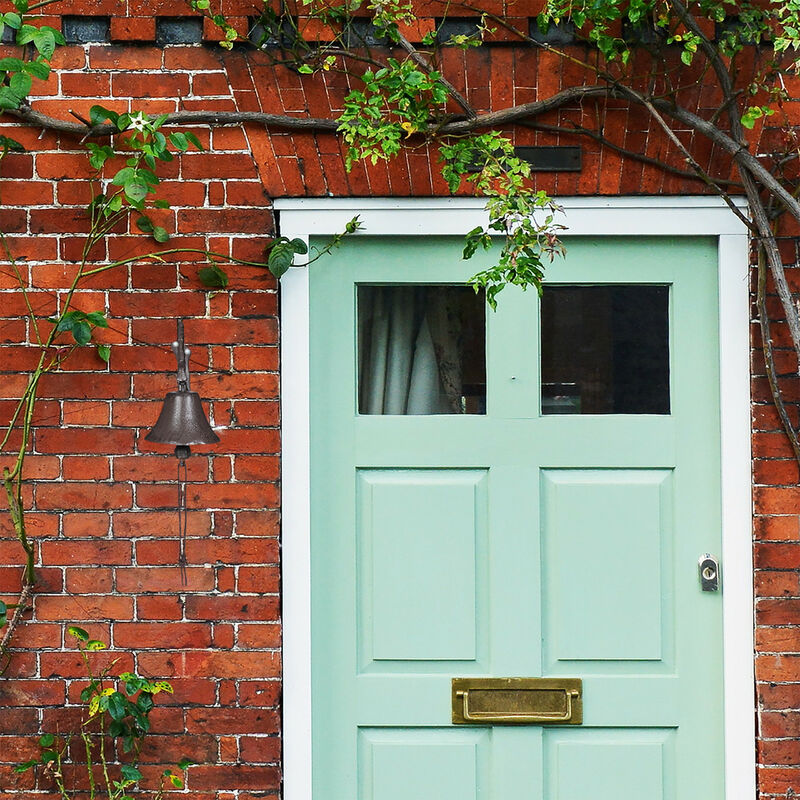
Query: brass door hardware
<point x="517" y="701"/>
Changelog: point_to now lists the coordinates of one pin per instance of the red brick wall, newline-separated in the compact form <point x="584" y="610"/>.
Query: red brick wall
<point x="103" y="515"/>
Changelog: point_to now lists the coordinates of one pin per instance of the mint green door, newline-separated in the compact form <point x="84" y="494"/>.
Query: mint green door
<point x="519" y="542"/>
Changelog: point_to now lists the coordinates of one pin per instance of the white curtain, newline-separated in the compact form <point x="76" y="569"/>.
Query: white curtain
<point x="408" y="352"/>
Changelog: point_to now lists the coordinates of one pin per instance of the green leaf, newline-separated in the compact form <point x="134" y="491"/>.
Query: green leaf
<point x="214" y="277"/>
<point x="299" y="246"/>
<point x="193" y="139"/>
<point x="117" y="706"/>
<point x="38" y="69"/>
<point x="130" y="773"/>
<point x="81" y="332"/>
<point x="79" y="633"/>
<point x="12" y="64"/>
<point x="136" y="190"/>
<point x="279" y="261"/>
<point x="48" y="756"/>
<point x="104" y="352"/>
<point x="98" y="115"/>
<point x="11" y="144"/>
<point x="161" y="203"/>
<point x="160" y="234"/>
<point x="8" y="99"/>
<point x="176" y="781"/>
<point x="67" y="321"/>
<point x="25" y="767"/>
<point x="180" y="140"/>
<point x="20" y="84"/>
<point x="185" y="762"/>
<point x="45" y="42"/>
<point x="47" y="740"/>
<point x="26" y="34"/>
<point x="99" y="154"/>
<point x="145" y="702"/>
<point x="97" y="318"/>
<point x="12" y="20"/>
<point x="95" y="644"/>
<point x="123" y="176"/>
<point x="144" y="224"/>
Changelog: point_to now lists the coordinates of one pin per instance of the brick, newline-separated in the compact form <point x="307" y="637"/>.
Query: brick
<point x="238" y="776"/>
<point x="108" y="441"/>
<point x="259" y="636"/>
<point x="163" y="579"/>
<point x="149" y="523"/>
<point x="133" y="29"/>
<point x="249" y="550"/>
<point x="83" y="608"/>
<point x="83" y="495"/>
<point x="71" y="553"/>
<point x="232" y="720"/>
<point x="85" y="84"/>
<point x="158" y="607"/>
<point x="143" y="636"/>
<point x="151" y="85"/>
<point x="232" y="608"/>
<point x="213" y="664"/>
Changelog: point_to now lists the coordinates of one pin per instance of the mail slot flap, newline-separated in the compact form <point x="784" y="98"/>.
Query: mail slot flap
<point x="517" y="701"/>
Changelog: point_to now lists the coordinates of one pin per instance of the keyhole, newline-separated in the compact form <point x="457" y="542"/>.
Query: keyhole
<point x="708" y="573"/>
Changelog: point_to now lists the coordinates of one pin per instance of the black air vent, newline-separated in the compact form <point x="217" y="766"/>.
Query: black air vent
<point x="551" y="158"/>
<point x="179" y="30"/>
<point x="446" y="29"/>
<point x="83" y="30"/>
<point x="556" y="33"/>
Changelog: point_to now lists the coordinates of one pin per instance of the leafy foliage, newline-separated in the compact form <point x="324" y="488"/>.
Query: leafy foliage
<point x="80" y="324"/>
<point x="396" y="101"/>
<point x="115" y="709"/>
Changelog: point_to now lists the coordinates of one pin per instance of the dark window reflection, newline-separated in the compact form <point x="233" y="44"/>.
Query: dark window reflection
<point x="421" y="350"/>
<point x="605" y="350"/>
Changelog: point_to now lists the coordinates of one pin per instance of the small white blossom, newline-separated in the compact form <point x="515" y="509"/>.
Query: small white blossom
<point x="139" y="122"/>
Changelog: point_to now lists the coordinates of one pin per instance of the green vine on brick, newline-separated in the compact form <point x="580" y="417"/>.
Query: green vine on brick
<point x="115" y="708"/>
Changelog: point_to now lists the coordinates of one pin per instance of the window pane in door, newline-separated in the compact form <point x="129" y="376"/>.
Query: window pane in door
<point x="605" y="349"/>
<point x="421" y="350"/>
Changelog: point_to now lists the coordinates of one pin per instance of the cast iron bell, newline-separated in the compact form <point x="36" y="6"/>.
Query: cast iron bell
<point x="182" y="421"/>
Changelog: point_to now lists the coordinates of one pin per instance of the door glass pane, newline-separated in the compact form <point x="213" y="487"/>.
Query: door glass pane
<point x="421" y="350"/>
<point x="605" y="349"/>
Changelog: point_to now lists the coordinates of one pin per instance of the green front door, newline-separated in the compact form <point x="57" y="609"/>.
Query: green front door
<point x="553" y="530"/>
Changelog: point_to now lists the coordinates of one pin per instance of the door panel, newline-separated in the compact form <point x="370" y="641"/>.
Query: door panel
<point x="519" y="542"/>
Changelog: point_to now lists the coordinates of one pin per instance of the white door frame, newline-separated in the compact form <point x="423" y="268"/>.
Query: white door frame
<point x="593" y="216"/>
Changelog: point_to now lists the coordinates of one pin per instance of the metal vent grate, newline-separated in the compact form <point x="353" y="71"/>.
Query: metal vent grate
<point x="552" y="158"/>
<point x="83" y="30"/>
<point x="179" y="30"/>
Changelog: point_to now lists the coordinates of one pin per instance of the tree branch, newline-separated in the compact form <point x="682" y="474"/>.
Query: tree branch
<point x="420" y="61"/>
<point x="315" y="124"/>
<point x="769" y="358"/>
<point x="282" y="121"/>
<point x="579" y="130"/>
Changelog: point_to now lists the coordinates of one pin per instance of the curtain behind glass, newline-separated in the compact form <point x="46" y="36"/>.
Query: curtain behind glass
<point x="409" y="350"/>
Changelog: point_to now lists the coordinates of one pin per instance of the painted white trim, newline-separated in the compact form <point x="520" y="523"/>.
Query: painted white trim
<point x="594" y="216"/>
<point x="738" y="624"/>
<point x="296" y="546"/>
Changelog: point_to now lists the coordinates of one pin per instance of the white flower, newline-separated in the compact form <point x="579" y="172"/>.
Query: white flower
<point x="139" y="122"/>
